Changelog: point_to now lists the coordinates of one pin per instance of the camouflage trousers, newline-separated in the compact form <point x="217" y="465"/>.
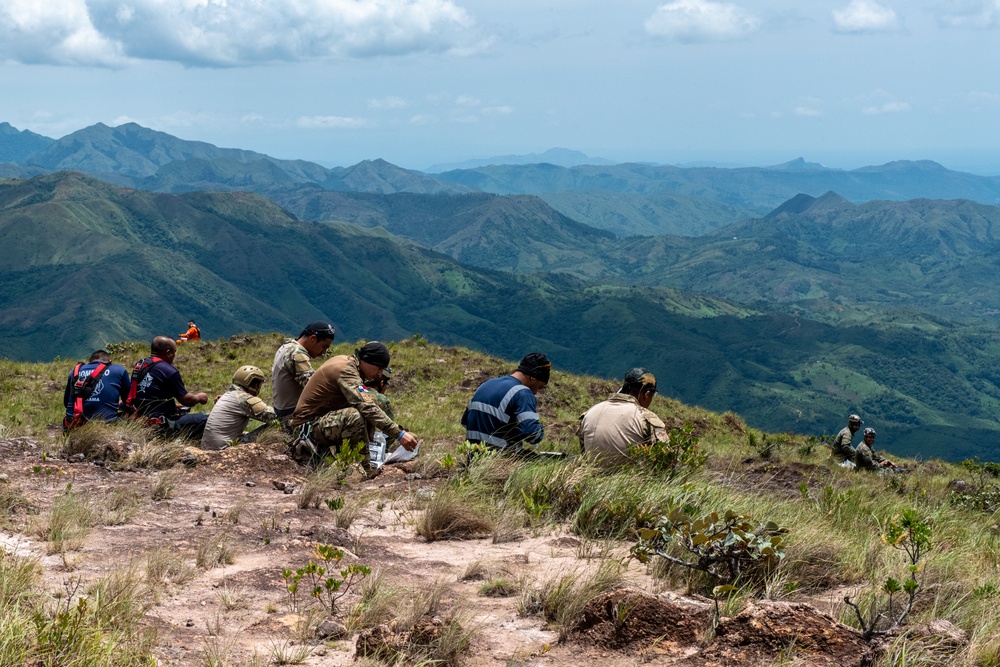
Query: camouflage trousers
<point x="334" y="427"/>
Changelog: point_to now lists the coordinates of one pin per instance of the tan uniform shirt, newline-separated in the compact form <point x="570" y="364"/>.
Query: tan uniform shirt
<point x="290" y="372"/>
<point x="337" y="385"/>
<point x="230" y="415"/>
<point x="608" y="428"/>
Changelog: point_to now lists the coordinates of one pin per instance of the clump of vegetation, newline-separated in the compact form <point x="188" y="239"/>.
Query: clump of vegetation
<point x="983" y="491"/>
<point x="681" y="456"/>
<point x="453" y="513"/>
<point x="561" y="600"/>
<point x="731" y="549"/>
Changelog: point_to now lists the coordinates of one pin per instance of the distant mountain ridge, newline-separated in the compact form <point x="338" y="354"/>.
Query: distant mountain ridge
<point x="563" y="157"/>
<point x="16" y="145"/>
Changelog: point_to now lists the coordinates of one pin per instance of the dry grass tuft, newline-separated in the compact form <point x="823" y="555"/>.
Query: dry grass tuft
<point x="453" y="514"/>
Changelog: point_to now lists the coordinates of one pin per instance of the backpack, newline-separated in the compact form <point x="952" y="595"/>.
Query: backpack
<point x="81" y="391"/>
<point x="139" y="371"/>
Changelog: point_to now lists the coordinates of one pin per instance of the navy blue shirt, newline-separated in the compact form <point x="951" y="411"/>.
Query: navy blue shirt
<point x="155" y="393"/>
<point x="109" y="393"/>
<point x="502" y="413"/>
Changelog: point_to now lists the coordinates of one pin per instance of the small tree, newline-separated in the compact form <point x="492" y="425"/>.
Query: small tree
<point x="908" y="533"/>
<point x="730" y="548"/>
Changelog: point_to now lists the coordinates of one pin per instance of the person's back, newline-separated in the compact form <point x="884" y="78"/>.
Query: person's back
<point x="503" y="412"/>
<point x="157" y="383"/>
<point x="100" y="398"/>
<point x="235" y="408"/>
<point x="608" y="429"/>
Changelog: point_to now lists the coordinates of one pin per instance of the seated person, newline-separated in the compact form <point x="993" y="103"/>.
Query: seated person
<point x="292" y="369"/>
<point x="193" y="333"/>
<point x="843" y="449"/>
<point x="155" y="386"/>
<point x="865" y="457"/>
<point x="503" y="412"/>
<point x="235" y="408"/>
<point x="335" y="406"/>
<point x="607" y="429"/>
<point x="97" y="390"/>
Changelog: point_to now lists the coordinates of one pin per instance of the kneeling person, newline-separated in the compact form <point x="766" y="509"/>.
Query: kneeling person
<point x="336" y="405"/>
<point x="607" y="429"/>
<point x="235" y="409"/>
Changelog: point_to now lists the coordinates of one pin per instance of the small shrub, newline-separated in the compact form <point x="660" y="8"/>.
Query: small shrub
<point x="731" y="549"/>
<point x="70" y="521"/>
<point x="155" y="454"/>
<point x="320" y="485"/>
<point x="322" y="580"/>
<point x="909" y="533"/>
<point x="561" y="600"/>
<point x="500" y="587"/>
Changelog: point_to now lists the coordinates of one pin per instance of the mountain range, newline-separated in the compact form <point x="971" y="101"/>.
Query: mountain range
<point x="793" y="315"/>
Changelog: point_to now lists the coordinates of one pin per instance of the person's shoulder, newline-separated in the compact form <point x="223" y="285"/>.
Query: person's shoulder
<point x="652" y="418"/>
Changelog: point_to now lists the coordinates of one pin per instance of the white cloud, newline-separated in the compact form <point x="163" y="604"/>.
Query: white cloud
<point x="865" y="16"/>
<point x="981" y="14"/>
<point x="806" y="111"/>
<point x="701" y="20"/>
<point x="503" y="110"/>
<point x="384" y="103"/>
<point x="330" y="122"/>
<point x="886" y="107"/>
<point x="219" y="33"/>
<point x="422" y="119"/>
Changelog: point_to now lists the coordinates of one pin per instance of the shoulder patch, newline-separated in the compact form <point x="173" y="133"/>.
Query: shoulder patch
<point x="653" y="419"/>
<point x="256" y="405"/>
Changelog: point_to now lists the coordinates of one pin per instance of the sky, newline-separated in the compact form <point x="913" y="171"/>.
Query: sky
<point x="845" y="83"/>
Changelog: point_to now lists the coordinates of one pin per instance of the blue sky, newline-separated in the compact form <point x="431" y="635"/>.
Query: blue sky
<point x="417" y="82"/>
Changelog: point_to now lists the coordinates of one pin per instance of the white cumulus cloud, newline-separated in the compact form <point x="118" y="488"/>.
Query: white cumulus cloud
<point x="865" y="16"/>
<point x="330" y="122"/>
<point x="220" y="33"/>
<point x="806" y="111"/>
<point x="390" y="102"/>
<point x="701" y="20"/>
<point x="886" y="107"/>
<point x="981" y="14"/>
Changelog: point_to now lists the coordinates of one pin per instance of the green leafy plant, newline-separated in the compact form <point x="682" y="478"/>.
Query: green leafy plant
<point x="910" y="533"/>
<point x="679" y="456"/>
<point x="324" y="581"/>
<point x="334" y="504"/>
<point x="730" y="548"/>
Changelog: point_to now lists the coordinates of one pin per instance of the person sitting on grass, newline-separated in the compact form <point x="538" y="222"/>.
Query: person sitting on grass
<point x="97" y="390"/>
<point x="235" y="408"/>
<point x="843" y="449"/>
<point x="156" y="384"/>
<point x="865" y="457"/>
<point x="193" y="333"/>
<point x="607" y="429"/>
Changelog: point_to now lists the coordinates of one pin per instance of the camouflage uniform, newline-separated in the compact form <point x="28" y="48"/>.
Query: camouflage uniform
<point x="843" y="450"/>
<point x="230" y="416"/>
<point x="289" y="374"/>
<point x="339" y="407"/>
<point x="607" y="429"/>
<point x="865" y="458"/>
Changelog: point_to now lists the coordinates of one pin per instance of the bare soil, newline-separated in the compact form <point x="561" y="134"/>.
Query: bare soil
<point x="243" y="608"/>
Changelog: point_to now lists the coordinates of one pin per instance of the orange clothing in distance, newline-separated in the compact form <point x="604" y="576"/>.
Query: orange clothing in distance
<point x="193" y="333"/>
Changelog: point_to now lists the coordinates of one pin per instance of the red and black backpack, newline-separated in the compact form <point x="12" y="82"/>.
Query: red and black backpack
<point x="81" y="390"/>
<point x="139" y="371"/>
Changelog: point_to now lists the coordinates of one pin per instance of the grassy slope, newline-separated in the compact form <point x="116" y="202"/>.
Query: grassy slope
<point x="834" y="516"/>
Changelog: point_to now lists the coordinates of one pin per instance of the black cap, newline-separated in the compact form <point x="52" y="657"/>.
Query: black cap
<point x="638" y="378"/>
<point x="536" y="365"/>
<point x="374" y="353"/>
<point x="322" y="330"/>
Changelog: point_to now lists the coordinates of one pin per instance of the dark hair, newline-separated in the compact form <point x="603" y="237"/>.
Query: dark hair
<point x="101" y="355"/>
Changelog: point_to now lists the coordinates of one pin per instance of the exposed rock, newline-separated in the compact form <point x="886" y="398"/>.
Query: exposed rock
<point x="331" y="629"/>
<point x="279" y="485"/>
<point x="960" y="486"/>
<point x="425" y="493"/>
<point x="338" y="537"/>
<point x="632" y="619"/>
<point x="76" y="458"/>
<point x="941" y="633"/>
<point x="765" y="628"/>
